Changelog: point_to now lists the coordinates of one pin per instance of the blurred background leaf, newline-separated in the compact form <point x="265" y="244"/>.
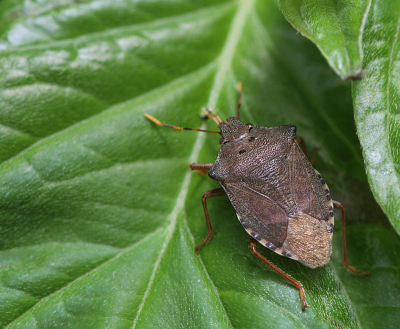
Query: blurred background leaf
<point x="360" y="39"/>
<point x="336" y="27"/>
<point x="99" y="214"/>
<point x="377" y="106"/>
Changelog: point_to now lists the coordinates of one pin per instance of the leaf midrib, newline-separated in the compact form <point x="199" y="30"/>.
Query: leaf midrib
<point x="225" y="64"/>
<point x="362" y="29"/>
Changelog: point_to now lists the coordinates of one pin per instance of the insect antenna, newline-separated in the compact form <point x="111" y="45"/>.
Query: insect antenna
<point x="239" y="88"/>
<point x="148" y="116"/>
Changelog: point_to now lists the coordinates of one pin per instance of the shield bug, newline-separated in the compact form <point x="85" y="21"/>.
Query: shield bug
<point x="280" y="199"/>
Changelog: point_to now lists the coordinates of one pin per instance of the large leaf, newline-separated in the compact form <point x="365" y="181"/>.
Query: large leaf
<point x="336" y="27"/>
<point x="99" y="214"/>
<point x="376" y="104"/>
<point x="345" y="31"/>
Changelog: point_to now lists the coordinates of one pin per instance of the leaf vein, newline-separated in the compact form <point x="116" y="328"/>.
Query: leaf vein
<point x="390" y="69"/>
<point x="118" y="255"/>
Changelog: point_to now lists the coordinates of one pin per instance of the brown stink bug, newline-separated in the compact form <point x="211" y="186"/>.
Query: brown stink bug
<point x="279" y="198"/>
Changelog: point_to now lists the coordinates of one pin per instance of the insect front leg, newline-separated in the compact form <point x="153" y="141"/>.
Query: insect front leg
<point x="201" y="168"/>
<point x="297" y="284"/>
<point x="209" y="194"/>
<point x="339" y="205"/>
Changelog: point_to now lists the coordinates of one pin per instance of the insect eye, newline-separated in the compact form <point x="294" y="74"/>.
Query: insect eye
<point x="250" y="126"/>
<point x="223" y="141"/>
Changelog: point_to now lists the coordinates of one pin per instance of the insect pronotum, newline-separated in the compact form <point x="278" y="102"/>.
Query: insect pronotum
<point x="279" y="198"/>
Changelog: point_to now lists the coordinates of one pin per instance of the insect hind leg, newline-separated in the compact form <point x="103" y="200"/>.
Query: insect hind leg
<point x="300" y="140"/>
<point x="339" y="205"/>
<point x="297" y="284"/>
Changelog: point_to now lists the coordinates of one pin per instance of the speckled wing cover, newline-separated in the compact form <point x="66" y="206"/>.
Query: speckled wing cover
<point x="280" y="199"/>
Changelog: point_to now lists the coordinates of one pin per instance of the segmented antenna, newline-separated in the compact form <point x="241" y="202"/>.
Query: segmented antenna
<point x="148" y="116"/>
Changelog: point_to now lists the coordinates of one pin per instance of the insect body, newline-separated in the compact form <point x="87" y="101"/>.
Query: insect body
<point x="279" y="198"/>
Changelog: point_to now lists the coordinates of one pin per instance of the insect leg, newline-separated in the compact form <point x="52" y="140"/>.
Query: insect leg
<point x="300" y="140"/>
<point x="208" y="113"/>
<point x="297" y="284"/>
<point x="339" y="205"/>
<point x="201" y="168"/>
<point x="151" y="118"/>
<point x="209" y="194"/>
<point x="239" y="88"/>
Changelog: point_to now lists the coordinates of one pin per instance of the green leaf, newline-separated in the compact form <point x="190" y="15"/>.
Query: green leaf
<point x="99" y="214"/>
<point x="336" y="27"/>
<point x="376" y="104"/>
